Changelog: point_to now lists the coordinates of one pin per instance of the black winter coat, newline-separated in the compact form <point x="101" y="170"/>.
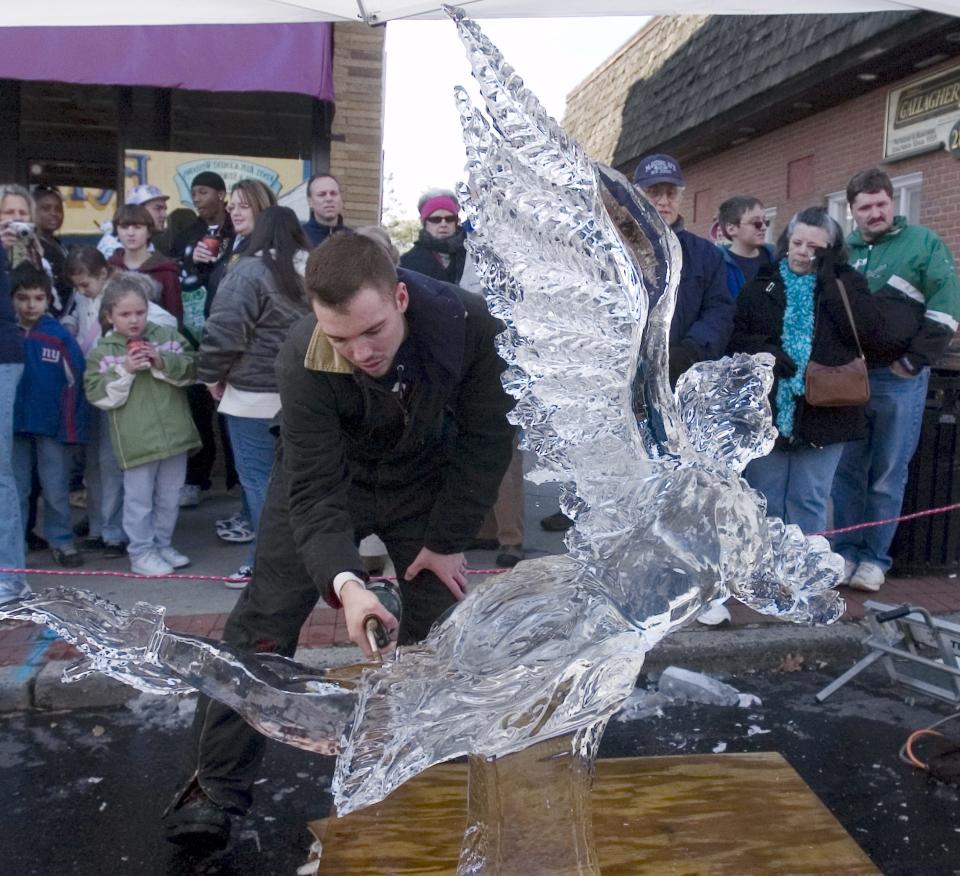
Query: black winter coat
<point x="185" y="243"/>
<point x="248" y="322"/>
<point x="703" y="314"/>
<point x="758" y="328"/>
<point x="422" y="257"/>
<point x="426" y="469"/>
<point x="11" y="338"/>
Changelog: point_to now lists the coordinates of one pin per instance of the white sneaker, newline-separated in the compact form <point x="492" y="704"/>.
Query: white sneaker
<point x="174" y="557"/>
<point x="714" y="614"/>
<point x="868" y="577"/>
<point x="849" y="567"/>
<point x="239" y="579"/>
<point x="150" y="563"/>
<point x="189" y="496"/>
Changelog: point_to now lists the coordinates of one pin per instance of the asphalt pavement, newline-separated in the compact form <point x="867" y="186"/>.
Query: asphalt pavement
<point x="84" y="789"/>
<point x="88" y="767"/>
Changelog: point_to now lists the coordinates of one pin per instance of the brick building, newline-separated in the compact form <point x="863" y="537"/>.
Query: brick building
<point x="356" y="132"/>
<point x="74" y="100"/>
<point x="786" y="108"/>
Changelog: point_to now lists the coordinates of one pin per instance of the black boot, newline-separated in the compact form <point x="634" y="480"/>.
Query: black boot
<point x="558" y="522"/>
<point x="510" y="555"/>
<point x="195" y="821"/>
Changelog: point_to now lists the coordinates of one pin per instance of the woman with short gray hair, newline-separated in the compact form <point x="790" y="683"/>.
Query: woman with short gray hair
<point x="794" y="310"/>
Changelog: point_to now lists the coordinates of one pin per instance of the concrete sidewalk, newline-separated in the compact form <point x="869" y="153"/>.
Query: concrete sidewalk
<point x="32" y="659"/>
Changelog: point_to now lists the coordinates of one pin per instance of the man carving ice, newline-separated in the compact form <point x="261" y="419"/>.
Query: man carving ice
<point x="393" y="421"/>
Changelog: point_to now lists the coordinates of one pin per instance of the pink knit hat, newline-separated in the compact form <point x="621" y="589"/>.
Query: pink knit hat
<point x="440" y="202"/>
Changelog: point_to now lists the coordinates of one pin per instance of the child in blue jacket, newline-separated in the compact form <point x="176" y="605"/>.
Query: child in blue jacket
<point x="50" y="412"/>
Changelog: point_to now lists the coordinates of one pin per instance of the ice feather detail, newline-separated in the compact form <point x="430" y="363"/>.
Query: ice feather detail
<point x="539" y="223"/>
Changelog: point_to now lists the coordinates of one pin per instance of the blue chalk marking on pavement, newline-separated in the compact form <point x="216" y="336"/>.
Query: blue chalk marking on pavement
<point x="35" y="657"/>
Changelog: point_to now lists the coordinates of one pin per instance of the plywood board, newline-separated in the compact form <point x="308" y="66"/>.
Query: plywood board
<point x="653" y="816"/>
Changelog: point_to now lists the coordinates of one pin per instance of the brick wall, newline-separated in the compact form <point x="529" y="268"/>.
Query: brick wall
<point x="357" y="148"/>
<point x="832" y="146"/>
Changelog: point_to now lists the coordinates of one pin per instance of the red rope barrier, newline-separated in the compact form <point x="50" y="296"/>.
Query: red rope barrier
<point x="928" y="513"/>
<point x="87" y="573"/>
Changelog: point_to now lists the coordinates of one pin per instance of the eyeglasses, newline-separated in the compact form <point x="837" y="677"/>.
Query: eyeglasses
<point x="757" y="223"/>
<point x="436" y="220"/>
<point x="663" y="190"/>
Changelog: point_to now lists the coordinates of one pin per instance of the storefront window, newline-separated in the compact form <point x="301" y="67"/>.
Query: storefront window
<point x="770" y="214"/>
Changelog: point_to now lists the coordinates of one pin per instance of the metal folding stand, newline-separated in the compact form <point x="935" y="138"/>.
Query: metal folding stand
<point x="918" y="651"/>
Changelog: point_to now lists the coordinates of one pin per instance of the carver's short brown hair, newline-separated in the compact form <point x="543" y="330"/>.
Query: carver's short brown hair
<point x="345" y="262"/>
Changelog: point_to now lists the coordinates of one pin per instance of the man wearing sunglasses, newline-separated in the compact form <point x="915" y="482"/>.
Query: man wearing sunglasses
<point x="439" y="251"/>
<point x="741" y="220"/>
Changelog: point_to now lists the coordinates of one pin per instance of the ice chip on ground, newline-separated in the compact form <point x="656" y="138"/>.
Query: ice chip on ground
<point x="749" y="700"/>
<point x="678" y="683"/>
<point x="719" y="748"/>
<point x="754" y="730"/>
<point x="642" y="704"/>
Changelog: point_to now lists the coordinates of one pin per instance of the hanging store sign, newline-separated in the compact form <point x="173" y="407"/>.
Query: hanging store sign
<point x="921" y="115"/>
<point x="172" y="172"/>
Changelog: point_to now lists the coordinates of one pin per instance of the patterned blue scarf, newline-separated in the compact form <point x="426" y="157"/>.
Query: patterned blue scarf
<point x="796" y="340"/>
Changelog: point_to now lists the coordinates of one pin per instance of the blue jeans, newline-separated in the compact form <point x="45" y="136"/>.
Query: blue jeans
<point x="872" y="474"/>
<point x="53" y="461"/>
<point x="104" y="482"/>
<point x="11" y="530"/>
<point x="796" y="484"/>
<point x="254" y="449"/>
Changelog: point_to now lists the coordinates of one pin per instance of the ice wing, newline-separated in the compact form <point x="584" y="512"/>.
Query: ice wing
<point x="558" y="273"/>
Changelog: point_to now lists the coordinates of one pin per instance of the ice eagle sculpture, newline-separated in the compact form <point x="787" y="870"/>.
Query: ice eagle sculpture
<point x="584" y="273"/>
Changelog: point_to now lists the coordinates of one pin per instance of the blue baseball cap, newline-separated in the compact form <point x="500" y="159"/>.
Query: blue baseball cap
<point x="657" y="169"/>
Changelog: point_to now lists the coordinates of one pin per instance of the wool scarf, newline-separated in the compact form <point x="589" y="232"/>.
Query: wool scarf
<point x="796" y="341"/>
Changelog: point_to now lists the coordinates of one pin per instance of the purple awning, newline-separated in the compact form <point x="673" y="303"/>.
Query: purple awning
<point x="210" y="57"/>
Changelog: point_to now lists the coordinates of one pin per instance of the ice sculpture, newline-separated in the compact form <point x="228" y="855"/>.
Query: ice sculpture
<point x="583" y="273"/>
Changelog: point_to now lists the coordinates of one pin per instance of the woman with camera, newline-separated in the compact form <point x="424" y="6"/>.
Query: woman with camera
<point x="18" y="232"/>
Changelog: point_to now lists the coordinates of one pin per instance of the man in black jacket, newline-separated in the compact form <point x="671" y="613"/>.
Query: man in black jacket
<point x="198" y="250"/>
<point x="326" y="208"/>
<point x="393" y="421"/>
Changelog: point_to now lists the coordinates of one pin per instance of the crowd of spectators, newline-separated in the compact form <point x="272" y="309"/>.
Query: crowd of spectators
<point x="126" y="366"/>
<point x="888" y="292"/>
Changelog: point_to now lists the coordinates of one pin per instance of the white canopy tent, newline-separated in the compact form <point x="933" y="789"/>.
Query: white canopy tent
<point x="94" y="13"/>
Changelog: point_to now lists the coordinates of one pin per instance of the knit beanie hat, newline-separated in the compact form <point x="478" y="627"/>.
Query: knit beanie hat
<point x="209" y="179"/>
<point x="438" y="199"/>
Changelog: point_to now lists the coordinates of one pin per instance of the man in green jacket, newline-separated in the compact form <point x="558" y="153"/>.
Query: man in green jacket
<point x="911" y="262"/>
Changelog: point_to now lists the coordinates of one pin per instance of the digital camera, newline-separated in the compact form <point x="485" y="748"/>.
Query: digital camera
<point x="23" y="230"/>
